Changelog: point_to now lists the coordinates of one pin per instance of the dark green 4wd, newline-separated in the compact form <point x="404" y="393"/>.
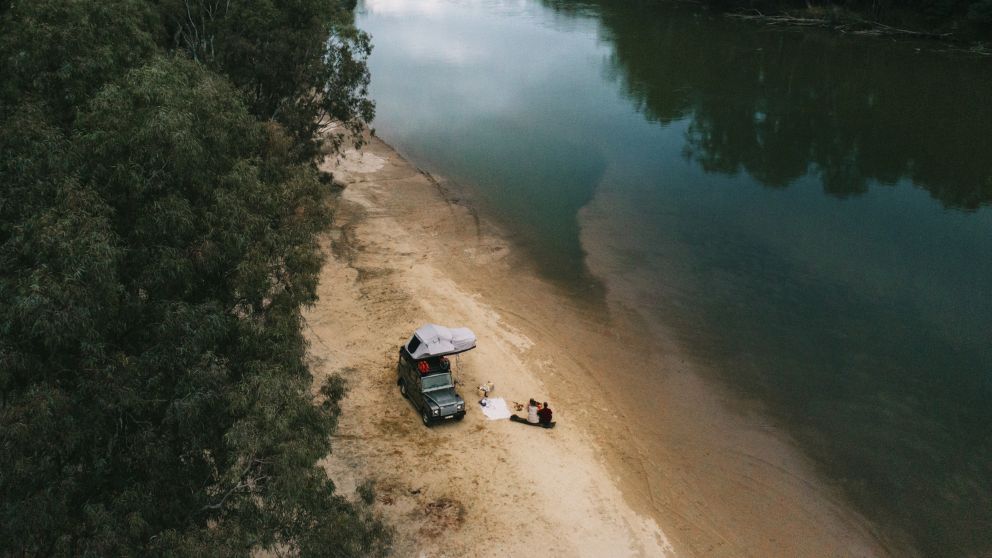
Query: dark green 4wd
<point x="424" y="372"/>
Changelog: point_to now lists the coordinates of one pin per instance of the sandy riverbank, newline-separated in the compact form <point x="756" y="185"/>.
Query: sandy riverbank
<point x="696" y="481"/>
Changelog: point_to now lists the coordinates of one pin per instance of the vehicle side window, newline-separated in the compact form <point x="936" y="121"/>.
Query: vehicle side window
<point x="411" y="347"/>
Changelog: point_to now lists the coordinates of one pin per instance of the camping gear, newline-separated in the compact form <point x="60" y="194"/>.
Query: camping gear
<point x="434" y="340"/>
<point x="424" y="372"/>
<point x="486" y="388"/>
<point x="495" y="408"/>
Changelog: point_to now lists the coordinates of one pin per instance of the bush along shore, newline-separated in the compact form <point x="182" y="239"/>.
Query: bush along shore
<point x="158" y="240"/>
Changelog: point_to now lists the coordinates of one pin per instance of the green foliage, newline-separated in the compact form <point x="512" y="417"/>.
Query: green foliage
<point x="61" y="52"/>
<point x="157" y="241"/>
<point x="59" y="258"/>
<point x="300" y="62"/>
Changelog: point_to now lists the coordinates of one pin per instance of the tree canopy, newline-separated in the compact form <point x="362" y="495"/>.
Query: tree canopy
<point x="290" y="66"/>
<point x="159" y="214"/>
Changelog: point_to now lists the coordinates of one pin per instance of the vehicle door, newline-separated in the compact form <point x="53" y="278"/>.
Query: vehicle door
<point x="409" y="379"/>
<point x="418" y="390"/>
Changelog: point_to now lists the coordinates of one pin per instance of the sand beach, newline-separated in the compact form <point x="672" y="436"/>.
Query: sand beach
<point x="703" y="477"/>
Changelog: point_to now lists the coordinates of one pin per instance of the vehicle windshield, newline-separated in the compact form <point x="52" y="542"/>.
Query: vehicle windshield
<point x="436" y="381"/>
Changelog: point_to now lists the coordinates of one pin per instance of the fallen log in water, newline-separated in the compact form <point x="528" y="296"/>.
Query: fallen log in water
<point x="854" y="27"/>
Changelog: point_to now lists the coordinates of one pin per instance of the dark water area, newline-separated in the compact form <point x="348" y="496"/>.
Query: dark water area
<point x="810" y="213"/>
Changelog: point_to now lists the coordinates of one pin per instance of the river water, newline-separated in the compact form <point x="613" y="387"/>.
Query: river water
<point x="808" y="212"/>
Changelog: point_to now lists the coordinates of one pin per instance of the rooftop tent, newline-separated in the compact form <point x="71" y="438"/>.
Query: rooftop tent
<point x="434" y="340"/>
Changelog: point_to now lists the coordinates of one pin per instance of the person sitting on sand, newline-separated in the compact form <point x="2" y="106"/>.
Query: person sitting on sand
<point x="532" y="412"/>
<point x="544" y="415"/>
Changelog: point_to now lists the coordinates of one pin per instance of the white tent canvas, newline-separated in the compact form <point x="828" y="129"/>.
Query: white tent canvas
<point x="434" y="340"/>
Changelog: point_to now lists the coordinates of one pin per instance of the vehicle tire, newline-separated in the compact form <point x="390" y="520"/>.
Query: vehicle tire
<point x="425" y="417"/>
<point x="460" y="418"/>
<point x="403" y="388"/>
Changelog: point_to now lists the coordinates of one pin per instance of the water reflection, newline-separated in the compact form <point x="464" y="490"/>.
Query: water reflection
<point x="891" y="393"/>
<point x="778" y="105"/>
<point x="864" y="325"/>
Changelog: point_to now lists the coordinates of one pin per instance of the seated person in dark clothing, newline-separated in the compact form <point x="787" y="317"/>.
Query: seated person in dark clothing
<point x="544" y="414"/>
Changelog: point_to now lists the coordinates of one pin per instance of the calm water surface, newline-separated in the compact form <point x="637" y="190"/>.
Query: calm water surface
<point x="809" y="212"/>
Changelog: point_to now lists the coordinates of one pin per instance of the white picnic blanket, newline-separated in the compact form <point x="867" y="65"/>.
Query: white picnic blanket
<point x="495" y="408"/>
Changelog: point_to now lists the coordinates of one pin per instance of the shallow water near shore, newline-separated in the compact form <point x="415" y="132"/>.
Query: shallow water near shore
<point x="807" y="213"/>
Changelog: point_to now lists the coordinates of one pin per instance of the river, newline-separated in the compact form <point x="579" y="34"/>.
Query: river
<point x="808" y="212"/>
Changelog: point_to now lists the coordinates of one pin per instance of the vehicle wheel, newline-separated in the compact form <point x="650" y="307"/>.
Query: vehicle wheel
<point x="402" y="388"/>
<point x="460" y="418"/>
<point x="425" y="417"/>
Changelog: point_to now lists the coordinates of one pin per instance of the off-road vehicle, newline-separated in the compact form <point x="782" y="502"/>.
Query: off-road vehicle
<point x="424" y="371"/>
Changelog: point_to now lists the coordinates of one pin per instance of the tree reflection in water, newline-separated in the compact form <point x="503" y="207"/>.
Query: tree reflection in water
<point x="778" y="105"/>
<point x="891" y="405"/>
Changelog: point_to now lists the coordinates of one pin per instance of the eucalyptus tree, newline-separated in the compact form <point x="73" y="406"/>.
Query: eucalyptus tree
<point x="61" y="52"/>
<point x="158" y="240"/>
<point x="156" y="392"/>
<point x="300" y="63"/>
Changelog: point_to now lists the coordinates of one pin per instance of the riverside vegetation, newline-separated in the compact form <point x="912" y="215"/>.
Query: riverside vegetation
<point x="159" y="214"/>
